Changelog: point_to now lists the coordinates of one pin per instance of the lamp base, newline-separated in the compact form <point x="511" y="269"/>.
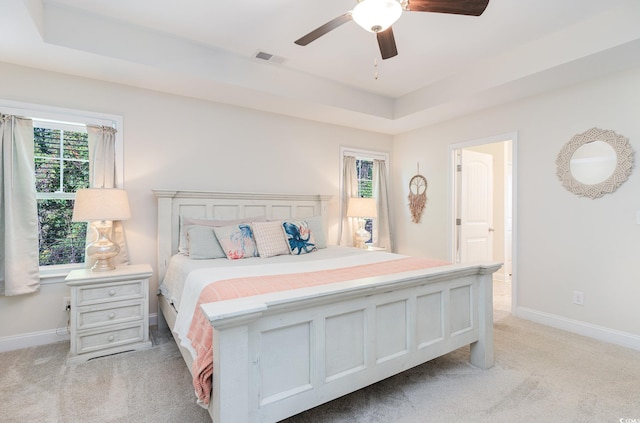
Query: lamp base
<point x="102" y="249"/>
<point x="361" y="235"/>
<point x="103" y="265"/>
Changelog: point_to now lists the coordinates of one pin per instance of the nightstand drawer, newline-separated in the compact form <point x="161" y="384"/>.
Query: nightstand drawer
<point x="109" y="314"/>
<point x="110" y="292"/>
<point x="112" y="338"/>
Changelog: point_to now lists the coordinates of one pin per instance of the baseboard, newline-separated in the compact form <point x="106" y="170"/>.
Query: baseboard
<point x="34" y="339"/>
<point x="581" y="328"/>
<point x="153" y="319"/>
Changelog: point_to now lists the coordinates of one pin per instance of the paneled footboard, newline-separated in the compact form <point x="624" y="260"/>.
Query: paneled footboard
<point x="279" y="354"/>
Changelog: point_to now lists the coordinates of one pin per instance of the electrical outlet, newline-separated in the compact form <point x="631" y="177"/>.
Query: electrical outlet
<point x="578" y="297"/>
<point x="66" y="303"/>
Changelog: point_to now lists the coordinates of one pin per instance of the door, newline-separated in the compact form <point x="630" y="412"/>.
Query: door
<point x="476" y="206"/>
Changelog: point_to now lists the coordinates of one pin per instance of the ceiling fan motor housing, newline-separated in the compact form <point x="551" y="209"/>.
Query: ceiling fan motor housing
<point x="376" y="15"/>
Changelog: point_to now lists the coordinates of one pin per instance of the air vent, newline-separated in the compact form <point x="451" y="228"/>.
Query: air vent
<point x="264" y="56"/>
<point x="268" y="57"/>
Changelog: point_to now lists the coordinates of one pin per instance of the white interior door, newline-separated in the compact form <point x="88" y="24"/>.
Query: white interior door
<point x="476" y="207"/>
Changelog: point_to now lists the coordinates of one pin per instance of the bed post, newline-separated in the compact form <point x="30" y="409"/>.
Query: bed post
<point x="163" y="244"/>
<point x="231" y="377"/>
<point x="482" y="350"/>
<point x="164" y="219"/>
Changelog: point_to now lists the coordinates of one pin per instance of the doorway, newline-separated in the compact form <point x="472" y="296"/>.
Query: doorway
<point x="482" y="215"/>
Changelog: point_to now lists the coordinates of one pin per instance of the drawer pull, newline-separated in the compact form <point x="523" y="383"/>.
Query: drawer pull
<point x="112" y="292"/>
<point x="111" y="338"/>
<point x="111" y="315"/>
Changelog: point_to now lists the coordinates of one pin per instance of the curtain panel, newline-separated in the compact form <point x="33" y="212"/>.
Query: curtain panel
<point x="382" y="226"/>
<point x="102" y="156"/>
<point x="19" y="249"/>
<point x="348" y="225"/>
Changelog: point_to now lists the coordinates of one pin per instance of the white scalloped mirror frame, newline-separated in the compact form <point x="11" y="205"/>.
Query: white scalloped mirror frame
<point x="624" y="163"/>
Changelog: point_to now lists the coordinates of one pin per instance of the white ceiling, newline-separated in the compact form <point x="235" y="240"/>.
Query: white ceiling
<point x="447" y="65"/>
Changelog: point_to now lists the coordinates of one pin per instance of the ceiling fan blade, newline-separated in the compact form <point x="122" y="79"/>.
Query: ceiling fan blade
<point x="387" y="43"/>
<point x="457" y="7"/>
<point x="320" y="31"/>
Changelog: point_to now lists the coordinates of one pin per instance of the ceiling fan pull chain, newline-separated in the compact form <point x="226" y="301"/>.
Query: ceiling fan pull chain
<point x="375" y="68"/>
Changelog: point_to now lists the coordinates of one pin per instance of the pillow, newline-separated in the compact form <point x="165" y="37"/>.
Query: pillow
<point x="299" y="237"/>
<point x="183" y="246"/>
<point x="270" y="239"/>
<point x="317" y="228"/>
<point x="203" y="243"/>
<point x="236" y="241"/>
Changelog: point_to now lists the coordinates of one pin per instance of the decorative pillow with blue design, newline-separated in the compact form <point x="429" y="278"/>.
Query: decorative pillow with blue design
<point x="237" y="241"/>
<point x="299" y="237"/>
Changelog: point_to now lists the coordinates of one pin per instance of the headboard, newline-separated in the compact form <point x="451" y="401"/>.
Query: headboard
<point x="225" y="206"/>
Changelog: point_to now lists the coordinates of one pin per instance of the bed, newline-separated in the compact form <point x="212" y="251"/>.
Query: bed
<point x="276" y="354"/>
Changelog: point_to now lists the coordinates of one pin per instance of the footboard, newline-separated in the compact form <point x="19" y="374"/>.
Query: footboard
<point x="279" y="354"/>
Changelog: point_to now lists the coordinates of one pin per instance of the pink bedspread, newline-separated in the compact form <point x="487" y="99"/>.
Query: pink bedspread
<point x="201" y="334"/>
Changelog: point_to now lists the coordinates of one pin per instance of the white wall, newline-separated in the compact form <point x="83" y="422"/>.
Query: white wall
<point x="179" y="142"/>
<point x="565" y="242"/>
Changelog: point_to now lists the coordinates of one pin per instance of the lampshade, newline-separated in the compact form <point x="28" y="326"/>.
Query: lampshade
<point x="376" y="15"/>
<point x="101" y="204"/>
<point x="362" y="207"/>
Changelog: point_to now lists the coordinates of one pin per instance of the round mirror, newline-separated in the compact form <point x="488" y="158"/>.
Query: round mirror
<point x="595" y="163"/>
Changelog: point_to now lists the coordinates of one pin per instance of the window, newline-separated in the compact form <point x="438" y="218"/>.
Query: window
<point x="364" y="176"/>
<point x="61" y="167"/>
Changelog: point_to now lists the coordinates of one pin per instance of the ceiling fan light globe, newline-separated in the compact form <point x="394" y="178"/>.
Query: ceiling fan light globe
<point x="376" y="15"/>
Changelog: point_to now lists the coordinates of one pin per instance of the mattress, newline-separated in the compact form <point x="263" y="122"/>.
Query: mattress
<point x="186" y="278"/>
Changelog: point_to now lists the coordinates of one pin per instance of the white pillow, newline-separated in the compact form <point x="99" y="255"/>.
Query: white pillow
<point x="317" y="227"/>
<point x="270" y="238"/>
<point x="203" y="243"/>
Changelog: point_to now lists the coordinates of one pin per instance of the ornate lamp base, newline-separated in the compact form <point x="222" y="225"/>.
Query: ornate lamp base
<point x="102" y="249"/>
<point x="361" y="235"/>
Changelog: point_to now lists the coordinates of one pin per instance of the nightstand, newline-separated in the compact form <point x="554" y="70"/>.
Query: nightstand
<point x="109" y="311"/>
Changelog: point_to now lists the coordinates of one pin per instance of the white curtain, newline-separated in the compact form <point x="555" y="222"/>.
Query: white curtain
<point x="382" y="227"/>
<point x="19" y="250"/>
<point x="102" y="156"/>
<point x="348" y="225"/>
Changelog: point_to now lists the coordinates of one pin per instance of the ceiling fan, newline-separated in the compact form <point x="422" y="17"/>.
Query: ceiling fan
<point x="377" y="16"/>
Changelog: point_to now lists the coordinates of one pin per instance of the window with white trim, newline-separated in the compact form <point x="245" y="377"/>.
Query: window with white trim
<point x="61" y="168"/>
<point x="364" y="177"/>
<point x="61" y="154"/>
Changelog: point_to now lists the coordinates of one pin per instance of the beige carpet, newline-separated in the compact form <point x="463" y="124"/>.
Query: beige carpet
<point x="541" y="375"/>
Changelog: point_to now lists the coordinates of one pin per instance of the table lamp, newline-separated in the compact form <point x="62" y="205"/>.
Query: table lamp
<point x="361" y="208"/>
<point x="101" y="205"/>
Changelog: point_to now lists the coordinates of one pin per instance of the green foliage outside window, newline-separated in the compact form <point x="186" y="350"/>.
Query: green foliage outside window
<point x="364" y="170"/>
<point x="62" y="167"/>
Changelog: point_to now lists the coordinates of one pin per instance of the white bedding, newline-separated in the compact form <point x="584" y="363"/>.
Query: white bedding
<point x="185" y="278"/>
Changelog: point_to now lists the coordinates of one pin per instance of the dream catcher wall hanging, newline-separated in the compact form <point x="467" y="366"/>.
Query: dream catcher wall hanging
<point x="417" y="196"/>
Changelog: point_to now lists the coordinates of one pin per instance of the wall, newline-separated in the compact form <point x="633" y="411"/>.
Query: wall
<point x="564" y="242"/>
<point x="179" y="142"/>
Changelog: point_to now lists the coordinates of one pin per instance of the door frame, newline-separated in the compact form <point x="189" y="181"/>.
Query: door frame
<point x="451" y="220"/>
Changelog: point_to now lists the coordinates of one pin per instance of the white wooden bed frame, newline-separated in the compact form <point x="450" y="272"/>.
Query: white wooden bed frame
<point x="279" y="354"/>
